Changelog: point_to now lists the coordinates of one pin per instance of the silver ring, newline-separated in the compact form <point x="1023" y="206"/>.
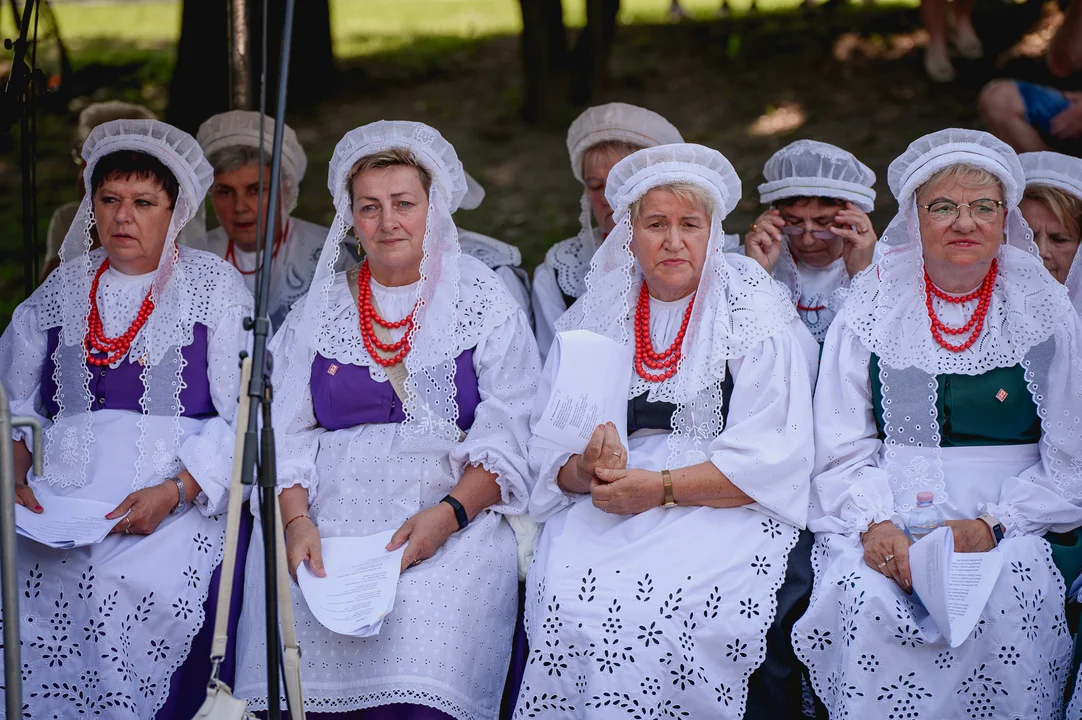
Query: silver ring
<point x="881" y="565"/>
<point x="616" y="453"/>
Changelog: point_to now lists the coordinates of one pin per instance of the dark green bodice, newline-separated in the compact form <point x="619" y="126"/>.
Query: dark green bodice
<point x="969" y="410"/>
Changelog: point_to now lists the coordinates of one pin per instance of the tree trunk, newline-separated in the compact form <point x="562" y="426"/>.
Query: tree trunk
<point x="544" y="54"/>
<point x="200" y="84"/>
<point x="590" y="57"/>
<point x="554" y="76"/>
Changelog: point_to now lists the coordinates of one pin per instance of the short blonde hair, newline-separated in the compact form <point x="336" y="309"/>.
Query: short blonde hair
<point x="395" y="157"/>
<point x="966" y="175"/>
<point x="1066" y="208"/>
<point x="688" y="192"/>
<point x="620" y="146"/>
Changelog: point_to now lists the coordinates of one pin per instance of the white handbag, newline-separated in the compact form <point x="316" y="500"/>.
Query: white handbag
<point x="220" y="703"/>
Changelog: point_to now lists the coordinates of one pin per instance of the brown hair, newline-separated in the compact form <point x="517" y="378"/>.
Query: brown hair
<point x="125" y="164"/>
<point x="1066" y="208"/>
<point x="395" y="157"/>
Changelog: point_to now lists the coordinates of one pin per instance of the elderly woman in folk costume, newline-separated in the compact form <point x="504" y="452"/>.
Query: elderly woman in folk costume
<point x="404" y="388"/>
<point x="960" y="325"/>
<point x="657" y="573"/>
<point x="128" y="354"/>
<point x="598" y="139"/>
<point x="231" y="142"/>
<point x="1052" y="207"/>
<point x="816" y="235"/>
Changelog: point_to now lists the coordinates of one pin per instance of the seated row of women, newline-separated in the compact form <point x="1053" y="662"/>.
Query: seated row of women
<point x="743" y="537"/>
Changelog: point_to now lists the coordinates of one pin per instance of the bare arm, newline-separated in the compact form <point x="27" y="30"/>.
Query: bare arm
<point x="705" y="485"/>
<point x="1065" y="50"/>
<point x="628" y="492"/>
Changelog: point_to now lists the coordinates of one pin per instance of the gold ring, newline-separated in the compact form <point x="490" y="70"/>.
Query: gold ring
<point x="887" y="559"/>
<point x="616" y="453"/>
<point x="754" y="227"/>
<point x="881" y="565"/>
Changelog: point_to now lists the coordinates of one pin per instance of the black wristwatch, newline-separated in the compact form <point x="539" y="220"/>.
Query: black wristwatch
<point x="460" y="512"/>
<point x="994" y="525"/>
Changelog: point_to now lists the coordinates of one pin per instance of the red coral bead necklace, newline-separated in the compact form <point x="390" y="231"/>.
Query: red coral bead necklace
<point x="96" y="340"/>
<point x="369" y="318"/>
<point x="646" y="358"/>
<point x="975" y="324"/>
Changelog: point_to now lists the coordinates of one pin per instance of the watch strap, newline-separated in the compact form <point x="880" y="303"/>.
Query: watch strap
<point x="666" y="481"/>
<point x="994" y="525"/>
<point x="460" y="512"/>
<point x="181" y="495"/>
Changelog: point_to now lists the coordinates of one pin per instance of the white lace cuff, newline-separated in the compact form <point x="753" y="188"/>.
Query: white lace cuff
<point x="1015" y="524"/>
<point x="548" y="497"/>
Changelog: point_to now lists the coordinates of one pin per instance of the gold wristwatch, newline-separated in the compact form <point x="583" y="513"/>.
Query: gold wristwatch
<point x="666" y="479"/>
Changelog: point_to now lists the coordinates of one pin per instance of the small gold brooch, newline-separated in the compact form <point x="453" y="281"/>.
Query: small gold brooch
<point x="1001" y="395"/>
<point x="334" y="369"/>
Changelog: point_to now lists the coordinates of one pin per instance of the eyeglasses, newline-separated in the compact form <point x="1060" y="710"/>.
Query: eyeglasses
<point x="945" y="212"/>
<point x="796" y="231"/>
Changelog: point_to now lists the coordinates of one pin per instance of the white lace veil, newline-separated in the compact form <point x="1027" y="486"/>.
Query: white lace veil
<point x="737" y="305"/>
<point x="63" y="302"/>
<point x="613" y="122"/>
<point x="331" y="329"/>
<point x="1065" y="173"/>
<point x="886" y="310"/>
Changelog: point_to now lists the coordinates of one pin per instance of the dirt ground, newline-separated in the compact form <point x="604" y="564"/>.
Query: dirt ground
<point x="746" y="86"/>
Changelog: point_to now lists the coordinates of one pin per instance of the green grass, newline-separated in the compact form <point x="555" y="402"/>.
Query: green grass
<point x="360" y="27"/>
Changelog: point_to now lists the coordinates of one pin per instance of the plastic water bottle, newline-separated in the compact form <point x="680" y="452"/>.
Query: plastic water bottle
<point x="925" y="518"/>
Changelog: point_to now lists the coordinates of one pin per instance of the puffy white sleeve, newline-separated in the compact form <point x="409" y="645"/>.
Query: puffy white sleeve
<point x="850" y="491"/>
<point x="548" y="306"/>
<point x="22" y="357"/>
<point x="297" y="431"/>
<point x="547" y="497"/>
<point x="1048" y="495"/>
<point x="507" y="366"/>
<point x="516" y="286"/>
<point x="208" y="454"/>
<point x="766" y="448"/>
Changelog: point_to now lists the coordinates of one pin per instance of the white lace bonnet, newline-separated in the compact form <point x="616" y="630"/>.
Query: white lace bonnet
<point x="1065" y="173"/>
<point x="436" y="336"/>
<point x="64" y="298"/>
<point x="808" y="168"/>
<point x="241" y="128"/>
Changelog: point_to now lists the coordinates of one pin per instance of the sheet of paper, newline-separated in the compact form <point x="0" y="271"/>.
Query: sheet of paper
<point x="360" y="587"/>
<point x="954" y="587"/>
<point x="592" y="378"/>
<point x="66" y="522"/>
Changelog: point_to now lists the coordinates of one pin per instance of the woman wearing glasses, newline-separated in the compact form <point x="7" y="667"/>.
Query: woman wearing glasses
<point x="816" y="235"/>
<point x="953" y="370"/>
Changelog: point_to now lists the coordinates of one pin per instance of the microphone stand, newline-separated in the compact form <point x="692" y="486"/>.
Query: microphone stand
<point x="260" y="393"/>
